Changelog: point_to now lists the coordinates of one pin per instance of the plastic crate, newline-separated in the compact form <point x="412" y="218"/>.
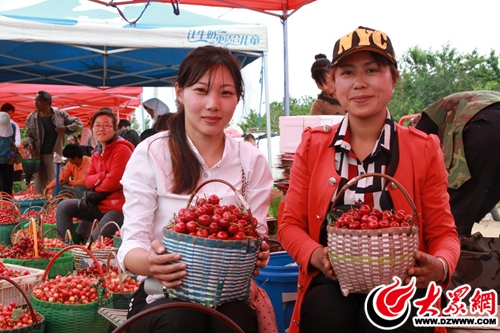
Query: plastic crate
<point x="9" y="293"/>
<point x="291" y="128"/>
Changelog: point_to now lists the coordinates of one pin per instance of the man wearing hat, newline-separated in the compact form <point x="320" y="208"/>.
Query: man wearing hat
<point x="7" y="137"/>
<point x="46" y="130"/>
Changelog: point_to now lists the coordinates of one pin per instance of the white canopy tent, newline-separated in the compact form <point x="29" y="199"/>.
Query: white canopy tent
<point x="76" y="42"/>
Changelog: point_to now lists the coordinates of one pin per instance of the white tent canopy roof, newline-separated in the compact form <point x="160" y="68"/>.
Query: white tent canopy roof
<point x="81" y="43"/>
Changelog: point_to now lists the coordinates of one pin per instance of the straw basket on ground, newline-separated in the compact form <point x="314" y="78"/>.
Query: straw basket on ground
<point x="218" y="271"/>
<point x="82" y="258"/>
<point x="366" y="258"/>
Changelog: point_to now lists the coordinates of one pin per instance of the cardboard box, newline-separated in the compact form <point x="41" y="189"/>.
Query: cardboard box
<point x="291" y="129"/>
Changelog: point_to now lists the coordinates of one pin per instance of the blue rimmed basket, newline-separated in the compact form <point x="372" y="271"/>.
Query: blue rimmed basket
<point x="218" y="271"/>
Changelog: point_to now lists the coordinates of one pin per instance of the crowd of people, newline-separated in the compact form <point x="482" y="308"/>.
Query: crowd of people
<point x="139" y="181"/>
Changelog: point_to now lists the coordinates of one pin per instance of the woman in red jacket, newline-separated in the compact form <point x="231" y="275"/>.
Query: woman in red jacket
<point x="364" y="71"/>
<point x="105" y="172"/>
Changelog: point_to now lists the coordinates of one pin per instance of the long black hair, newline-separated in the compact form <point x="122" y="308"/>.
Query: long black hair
<point x="206" y="59"/>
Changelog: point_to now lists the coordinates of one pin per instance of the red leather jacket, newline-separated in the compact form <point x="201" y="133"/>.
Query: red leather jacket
<point x="313" y="182"/>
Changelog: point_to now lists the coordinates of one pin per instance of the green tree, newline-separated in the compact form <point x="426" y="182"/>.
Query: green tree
<point x="427" y="76"/>
<point x="135" y="123"/>
<point x="298" y="107"/>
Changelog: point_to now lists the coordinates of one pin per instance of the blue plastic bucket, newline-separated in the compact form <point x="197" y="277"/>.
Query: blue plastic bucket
<point x="31" y="204"/>
<point x="279" y="279"/>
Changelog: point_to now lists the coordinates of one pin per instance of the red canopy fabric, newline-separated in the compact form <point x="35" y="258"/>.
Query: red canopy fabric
<point x="78" y="101"/>
<point x="265" y="6"/>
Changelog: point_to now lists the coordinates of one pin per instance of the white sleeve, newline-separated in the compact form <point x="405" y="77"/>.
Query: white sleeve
<point x="259" y="184"/>
<point x="18" y="135"/>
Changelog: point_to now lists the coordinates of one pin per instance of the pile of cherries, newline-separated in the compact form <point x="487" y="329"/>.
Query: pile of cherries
<point x="365" y="217"/>
<point x="14" y="318"/>
<point x="11" y="272"/>
<point x="208" y="218"/>
<point x="54" y="243"/>
<point x="24" y="249"/>
<point x="112" y="278"/>
<point x="8" y="213"/>
<point x="72" y="289"/>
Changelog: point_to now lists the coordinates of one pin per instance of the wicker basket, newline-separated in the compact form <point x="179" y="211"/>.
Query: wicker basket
<point x="37" y="326"/>
<point x="31" y="165"/>
<point x="365" y="259"/>
<point x="22" y="229"/>
<point x="82" y="259"/>
<point x="6" y="228"/>
<point x="74" y="318"/>
<point x="120" y="300"/>
<point x="218" y="271"/>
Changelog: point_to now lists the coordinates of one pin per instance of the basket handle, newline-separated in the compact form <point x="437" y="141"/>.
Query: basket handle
<point x="7" y="200"/>
<point x="57" y="232"/>
<point x="242" y="199"/>
<point x="177" y="305"/>
<point x="108" y="265"/>
<point x="7" y="197"/>
<point x="14" y="234"/>
<point x="376" y="174"/>
<point x="91" y="239"/>
<point x="32" y="311"/>
<point x="58" y="254"/>
<point x="110" y="223"/>
<point x="32" y="209"/>
<point x="68" y="237"/>
<point x="33" y="227"/>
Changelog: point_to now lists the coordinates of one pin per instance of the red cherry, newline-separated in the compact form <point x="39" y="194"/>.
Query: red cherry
<point x="191" y="226"/>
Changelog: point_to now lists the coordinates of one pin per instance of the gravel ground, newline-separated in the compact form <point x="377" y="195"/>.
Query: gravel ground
<point x="488" y="227"/>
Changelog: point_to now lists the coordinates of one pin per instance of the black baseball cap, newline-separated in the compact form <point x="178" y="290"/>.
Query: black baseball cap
<point x="364" y="39"/>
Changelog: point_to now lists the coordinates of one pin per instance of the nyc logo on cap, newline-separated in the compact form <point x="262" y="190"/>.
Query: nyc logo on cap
<point x="363" y="39"/>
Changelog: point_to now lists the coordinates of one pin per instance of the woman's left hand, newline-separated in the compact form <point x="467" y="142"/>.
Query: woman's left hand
<point x="429" y="268"/>
<point x="262" y="256"/>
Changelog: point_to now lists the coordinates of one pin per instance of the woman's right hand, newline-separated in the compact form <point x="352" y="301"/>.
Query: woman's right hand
<point x="319" y="260"/>
<point x="162" y="267"/>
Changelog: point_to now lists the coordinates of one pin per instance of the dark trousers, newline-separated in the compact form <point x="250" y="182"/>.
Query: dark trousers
<point x="479" y="195"/>
<point x="326" y="310"/>
<point x="188" y="320"/>
<point x="6" y="178"/>
<point x="18" y="175"/>
<point x="70" y="208"/>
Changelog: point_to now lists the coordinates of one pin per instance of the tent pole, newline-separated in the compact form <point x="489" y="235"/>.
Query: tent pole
<point x="286" y="99"/>
<point x="268" y="113"/>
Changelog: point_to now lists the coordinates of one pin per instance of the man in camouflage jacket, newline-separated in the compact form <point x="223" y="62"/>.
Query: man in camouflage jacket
<point x="468" y="125"/>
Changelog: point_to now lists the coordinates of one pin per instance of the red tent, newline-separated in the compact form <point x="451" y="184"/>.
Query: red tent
<point x="78" y="101"/>
<point x="285" y="7"/>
